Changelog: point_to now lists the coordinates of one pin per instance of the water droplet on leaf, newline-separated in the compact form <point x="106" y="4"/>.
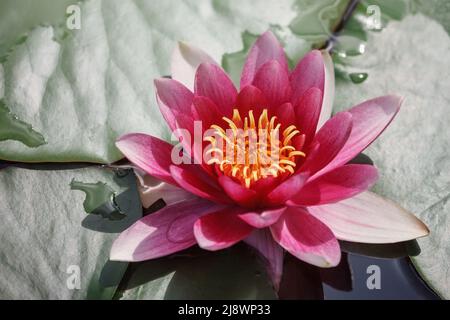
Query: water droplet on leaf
<point x="358" y="77"/>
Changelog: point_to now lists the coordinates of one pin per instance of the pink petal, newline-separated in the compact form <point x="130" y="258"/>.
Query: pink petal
<point x="264" y="186"/>
<point x="370" y="118"/>
<point x="251" y="98"/>
<point x="266" y="48"/>
<point x="330" y="138"/>
<point x="206" y="111"/>
<point x="173" y="98"/>
<point x="184" y="132"/>
<point x="151" y="190"/>
<point x="306" y="238"/>
<point x="273" y="80"/>
<point x="285" y="114"/>
<point x="307" y="112"/>
<point x="309" y="73"/>
<point x="194" y="180"/>
<point x="185" y="61"/>
<point x="262" y="218"/>
<point x="328" y="93"/>
<point x="212" y="82"/>
<point x="240" y="194"/>
<point x="287" y="189"/>
<point x="271" y="251"/>
<point x="161" y="233"/>
<point x="341" y="183"/>
<point x="221" y="229"/>
<point x="369" y="218"/>
<point x="148" y="153"/>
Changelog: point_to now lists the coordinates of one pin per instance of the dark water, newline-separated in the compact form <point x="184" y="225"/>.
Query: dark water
<point x="398" y="280"/>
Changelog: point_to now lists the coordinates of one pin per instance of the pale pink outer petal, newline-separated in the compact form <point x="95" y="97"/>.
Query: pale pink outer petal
<point x="173" y="99"/>
<point x="272" y="253"/>
<point x="185" y="61"/>
<point x="307" y="238"/>
<point x="166" y="231"/>
<point x="262" y="218"/>
<point x="370" y="218"/>
<point x="151" y="154"/>
<point x="341" y="183"/>
<point x="221" y="229"/>
<point x="328" y="91"/>
<point x="370" y="118"/>
<point x="265" y="48"/>
<point x="151" y="190"/>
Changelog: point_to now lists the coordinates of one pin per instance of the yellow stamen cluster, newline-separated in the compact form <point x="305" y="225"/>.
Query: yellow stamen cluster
<point x="249" y="150"/>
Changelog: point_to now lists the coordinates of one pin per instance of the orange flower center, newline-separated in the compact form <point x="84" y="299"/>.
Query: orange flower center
<point x="249" y="150"/>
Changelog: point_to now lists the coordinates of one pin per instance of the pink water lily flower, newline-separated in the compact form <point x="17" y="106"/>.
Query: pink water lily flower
<point x="303" y="203"/>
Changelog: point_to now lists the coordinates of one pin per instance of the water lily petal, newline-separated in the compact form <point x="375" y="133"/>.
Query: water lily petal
<point x="307" y="238"/>
<point x="241" y="195"/>
<point x="370" y="118"/>
<point x="309" y="73"/>
<point x="251" y="98"/>
<point x="193" y="179"/>
<point x="287" y="189"/>
<point x="328" y="91"/>
<point x="285" y="113"/>
<point x="185" y="61"/>
<point x="265" y="48"/>
<point x="173" y="98"/>
<point x="161" y="233"/>
<point x="264" y="186"/>
<point x="151" y="154"/>
<point x="341" y="183"/>
<point x="330" y="140"/>
<point x="151" y="190"/>
<point x="221" y="229"/>
<point x="212" y="82"/>
<point x="307" y="112"/>
<point x="370" y="218"/>
<point x="271" y="251"/>
<point x="273" y="80"/>
<point x="262" y="218"/>
<point x="206" y="111"/>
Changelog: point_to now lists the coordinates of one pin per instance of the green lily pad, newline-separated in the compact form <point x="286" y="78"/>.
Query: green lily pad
<point x="83" y="91"/>
<point x="50" y="248"/>
<point x="17" y="18"/>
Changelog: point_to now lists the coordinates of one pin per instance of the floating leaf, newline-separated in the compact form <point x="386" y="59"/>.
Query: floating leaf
<point x="83" y="91"/>
<point x="45" y="251"/>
